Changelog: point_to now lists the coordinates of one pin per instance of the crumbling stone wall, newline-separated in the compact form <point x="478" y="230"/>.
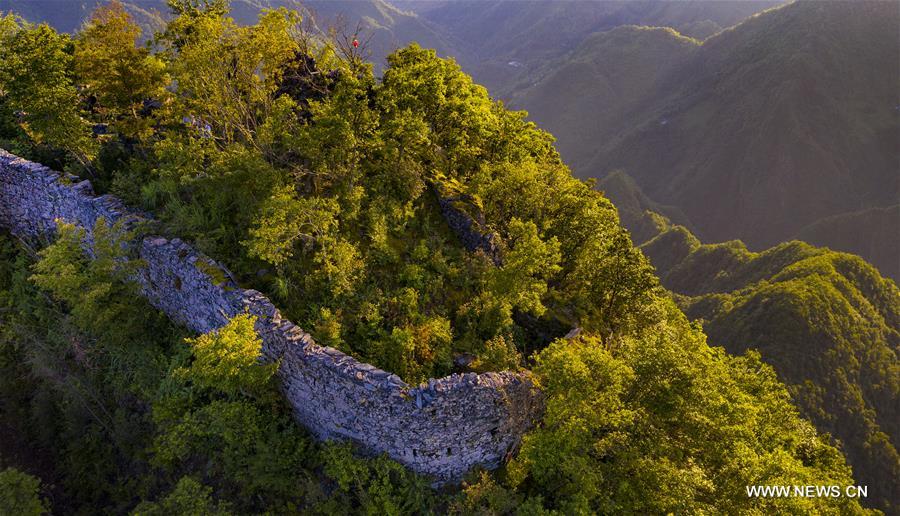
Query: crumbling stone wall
<point x="441" y="428"/>
<point x="471" y="230"/>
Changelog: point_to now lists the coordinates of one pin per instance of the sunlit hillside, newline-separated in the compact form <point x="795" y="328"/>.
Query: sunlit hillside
<point x="827" y="321"/>
<point x="272" y="257"/>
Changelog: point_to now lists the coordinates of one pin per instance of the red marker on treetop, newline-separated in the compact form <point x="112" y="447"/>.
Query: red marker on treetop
<point x="355" y="43"/>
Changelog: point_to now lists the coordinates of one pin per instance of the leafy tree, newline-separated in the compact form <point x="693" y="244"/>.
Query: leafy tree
<point x="499" y="354"/>
<point x="20" y="494"/>
<point x="377" y="487"/>
<point x="285" y="219"/>
<point x="237" y="448"/>
<point x="521" y="281"/>
<point x="36" y="86"/>
<point x="218" y="405"/>
<point x="188" y="497"/>
<point x="455" y="113"/>
<point x="228" y="75"/>
<point x="97" y="283"/>
<point x="228" y="359"/>
<point x="114" y="70"/>
<point x="196" y="8"/>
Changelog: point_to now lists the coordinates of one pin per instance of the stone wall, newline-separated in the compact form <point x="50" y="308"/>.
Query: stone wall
<point x="470" y="230"/>
<point x="441" y="428"/>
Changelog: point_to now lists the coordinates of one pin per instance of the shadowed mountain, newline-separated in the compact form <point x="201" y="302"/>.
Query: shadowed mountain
<point x="639" y="214"/>
<point x="785" y="126"/>
<point x="507" y="41"/>
<point x="68" y="16"/>
<point x="598" y="87"/>
<point x="873" y="233"/>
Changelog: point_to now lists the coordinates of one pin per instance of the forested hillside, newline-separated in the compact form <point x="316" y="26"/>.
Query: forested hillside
<point x="785" y="126"/>
<point x="69" y="16"/>
<point x="827" y="322"/>
<point x="278" y="152"/>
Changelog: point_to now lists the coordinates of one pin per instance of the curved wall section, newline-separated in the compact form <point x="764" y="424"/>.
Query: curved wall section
<point x="441" y="428"/>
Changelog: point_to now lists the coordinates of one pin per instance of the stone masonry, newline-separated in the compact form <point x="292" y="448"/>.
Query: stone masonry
<point x="441" y="428"/>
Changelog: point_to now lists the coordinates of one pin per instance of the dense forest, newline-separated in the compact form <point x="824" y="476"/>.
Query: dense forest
<point x="826" y="321"/>
<point x="279" y="152"/>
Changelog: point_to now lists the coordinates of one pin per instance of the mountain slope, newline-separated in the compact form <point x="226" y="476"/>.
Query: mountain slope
<point x="506" y="41"/>
<point x="827" y="322"/>
<point x="871" y="232"/>
<point x="384" y="28"/>
<point x="68" y="16"/>
<point x="598" y="86"/>
<point x="763" y="130"/>
<point x="785" y="120"/>
<point x="643" y="218"/>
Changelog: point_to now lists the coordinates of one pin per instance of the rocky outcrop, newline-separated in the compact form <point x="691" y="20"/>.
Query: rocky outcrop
<point x="441" y="428"/>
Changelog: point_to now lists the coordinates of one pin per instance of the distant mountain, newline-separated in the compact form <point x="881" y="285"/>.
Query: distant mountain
<point x="499" y="42"/>
<point x="827" y="322"/>
<point x="873" y="233"/>
<point x="643" y="217"/>
<point x="69" y="15"/>
<point x="384" y="27"/>
<point x="582" y="99"/>
<point x="507" y="40"/>
<point x="785" y="126"/>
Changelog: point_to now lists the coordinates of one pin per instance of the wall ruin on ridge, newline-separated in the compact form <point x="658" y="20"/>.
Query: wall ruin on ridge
<point x="441" y="428"/>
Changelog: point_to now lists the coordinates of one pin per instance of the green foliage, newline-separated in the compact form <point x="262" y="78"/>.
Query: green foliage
<point x="521" y="282"/>
<point x="669" y="425"/>
<point x="238" y="448"/>
<point x="196" y="8"/>
<point x="114" y="71"/>
<point x="227" y="75"/>
<point x="484" y="496"/>
<point x="228" y="359"/>
<point x="286" y="219"/>
<point x="100" y="291"/>
<point x="77" y="385"/>
<point x="381" y="485"/>
<point x="36" y="87"/>
<point x="20" y="494"/>
<point x="603" y="283"/>
<point x="218" y="405"/>
<point x="827" y="322"/>
<point x="188" y="497"/>
<point x="312" y="184"/>
<point x="499" y="354"/>
<point x="210" y="436"/>
<point x="318" y="183"/>
<point x="97" y="284"/>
